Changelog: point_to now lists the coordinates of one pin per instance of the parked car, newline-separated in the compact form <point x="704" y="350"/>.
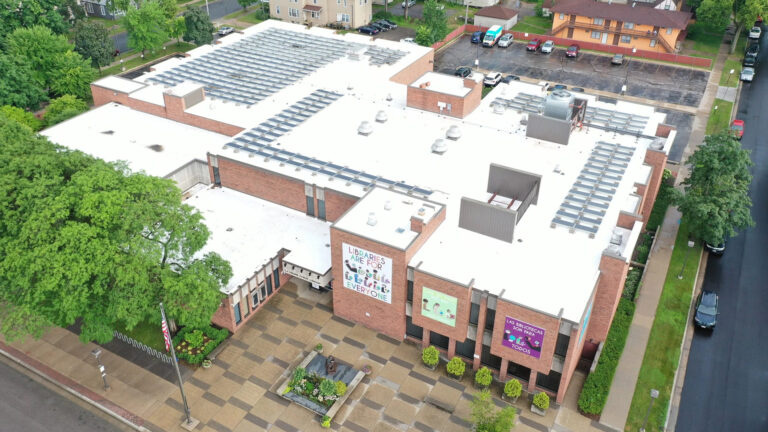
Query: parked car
<point x="477" y="37"/>
<point x="559" y="87"/>
<point x="225" y="30"/>
<point x="509" y="78"/>
<point x="408" y="40"/>
<point x="368" y="30"/>
<point x="749" y="61"/>
<point x="747" y="74"/>
<point x="752" y="50"/>
<point x="391" y="23"/>
<point x="577" y="89"/>
<point x="717" y="249"/>
<point x="618" y="59"/>
<point x="706" y="310"/>
<point x="737" y="128"/>
<point x="463" y="72"/>
<point x="385" y="24"/>
<point x="572" y="51"/>
<point x="378" y="27"/>
<point x="492" y="79"/>
<point x="533" y="45"/>
<point x="408" y="3"/>
<point x="548" y="47"/>
<point x="754" y="33"/>
<point x="506" y="40"/>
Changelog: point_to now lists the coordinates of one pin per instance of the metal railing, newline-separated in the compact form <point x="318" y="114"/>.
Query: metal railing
<point x="620" y="30"/>
<point x="138" y="345"/>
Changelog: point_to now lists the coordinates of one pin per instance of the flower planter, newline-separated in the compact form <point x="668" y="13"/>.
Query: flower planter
<point x="480" y="386"/>
<point x="206" y="364"/>
<point x="433" y="367"/>
<point x="509" y="399"/>
<point x="538" y="411"/>
<point x="456" y="377"/>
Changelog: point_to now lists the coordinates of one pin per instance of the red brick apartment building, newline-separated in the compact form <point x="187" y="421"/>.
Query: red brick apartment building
<point x="498" y="230"/>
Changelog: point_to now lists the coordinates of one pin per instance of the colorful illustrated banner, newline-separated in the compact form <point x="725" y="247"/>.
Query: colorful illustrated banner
<point x="367" y="272"/>
<point x="523" y="337"/>
<point x="586" y="322"/>
<point x="438" y="306"/>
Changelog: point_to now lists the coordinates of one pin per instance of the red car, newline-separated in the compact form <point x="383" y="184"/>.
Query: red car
<point x="737" y="128"/>
<point x="534" y="44"/>
<point x="572" y="51"/>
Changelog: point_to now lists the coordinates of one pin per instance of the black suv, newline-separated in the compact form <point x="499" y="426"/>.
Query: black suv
<point x="706" y="310"/>
<point x="463" y="72"/>
<point x="752" y="50"/>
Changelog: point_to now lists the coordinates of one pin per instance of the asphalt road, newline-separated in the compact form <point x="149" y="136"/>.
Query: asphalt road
<point x="26" y="405"/>
<point x="726" y="383"/>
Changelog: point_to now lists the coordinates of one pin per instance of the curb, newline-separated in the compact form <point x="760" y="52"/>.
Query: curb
<point x="68" y="385"/>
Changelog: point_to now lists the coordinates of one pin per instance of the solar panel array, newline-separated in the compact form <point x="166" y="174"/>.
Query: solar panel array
<point x="620" y="122"/>
<point x="591" y="194"/>
<point x="259" y="142"/>
<point x="262" y="64"/>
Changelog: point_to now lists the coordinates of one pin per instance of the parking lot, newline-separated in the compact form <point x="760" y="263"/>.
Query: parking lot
<point x="653" y="81"/>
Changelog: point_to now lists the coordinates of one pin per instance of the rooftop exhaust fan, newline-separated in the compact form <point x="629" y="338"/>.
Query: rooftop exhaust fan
<point x="381" y="117"/>
<point x="453" y="133"/>
<point x="365" y="128"/>
<point x="439" y="146"/>
<point x="498" y="109"/>
<point x="372" y="219"/>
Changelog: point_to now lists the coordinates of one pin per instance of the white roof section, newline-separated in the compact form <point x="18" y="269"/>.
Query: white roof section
<point x="385" y="216"/>
<point x="120" y="84"/>
<point x="114" y="132"/>
<point x="244" y="232"/>
<point x="442" y="83"/>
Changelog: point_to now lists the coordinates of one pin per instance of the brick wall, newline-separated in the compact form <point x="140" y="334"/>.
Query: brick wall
<point x="626" y="220"/>
<point x="413" y="71"/>
<point x="225" y="316"/>
<point x="458" y="332"/>
<point x="657" y="160"/>
<point x="337" y="203"/>
<point x="613" y="272"/>
<point x="263" y="184"/>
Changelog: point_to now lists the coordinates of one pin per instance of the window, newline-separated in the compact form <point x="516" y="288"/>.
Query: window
<point x="345" y="17"/>
<point x="626" y="39"/>
<point x="561" y="346"/>
<point x="595" y="35"/>
<point x="321" y="209"/>
<point x="490" y="316"/>
<point x="410" y="291"/>
<point x="315" y="14"/>
<point x="562" y="16"/>
<point x="263" y="290"/>
<point x="653" y="42"/>
<point x="412" y="329"/>
<point x="89" y="7"/>
<point x="629" y="26"/>
<point x="598" y="21"/>
<point x="238" y="317"/>
<point x="519" y="371"/>
<point x="254" y="299"/>
<point x="669" y="30"/>
<point x="474" y="313"/>
<point x="277" y="10"/>
<point x="438" y="340"/>
<point x="549" y="382"/>
<point x="276" y="275"/>
<point x="310" y="200"/>
<point x="293" y="12"/>
<point x="103" y="11"/>
<point x="216" y="176"/>
<point x="269" y="285"/>
<point x="489" y="359"/>
<point x="314" y="1"/>
<point x="466" y="349"/>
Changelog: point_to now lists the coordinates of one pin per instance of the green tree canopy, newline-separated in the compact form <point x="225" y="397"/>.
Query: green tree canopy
<point x="176" y="28"/>
<point x="85" y="239"/>
<point x="715" y="14"/>
<point x="146" y="26"/>
<point x="745" y="14"/>
<point x="18" y="87"/>
<point x="63" y="108"/>
<point x="246" y="3"/>
<point x="73" y="75"/>
<point x="484" y="416"/>
<point x="435" y="26"/>
<point x="24" y="117"/>
<point x="92" y="41"/>
<point x="40" y="48"/>
<point x="199" y="27"/>
<point x="52" y="14"/>
<point x="170" y="8"/>
<point x="715" y="202"/>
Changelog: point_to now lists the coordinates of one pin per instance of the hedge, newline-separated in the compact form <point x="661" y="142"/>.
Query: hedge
<point x="598" y="383"/>
<point x="632" y="283"/>
<point x="663" y="200"/>
<point x="217" y="336"/>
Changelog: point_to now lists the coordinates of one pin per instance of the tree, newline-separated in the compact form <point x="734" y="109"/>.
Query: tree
<point x="484" y="416"/>
<point x="199" y="27"/>
<point x="18" y="87"/>
<point x="63" y="108"/>
<point x="73" y="75"/>
<point x="745" y="13"/>
<point x="53" y="14"/>
<point x="84" y="239"/>
<point x="146" y="26"/>
<point x="246" y="3"/>
<point x="715" y="13"/>
<point x="40" y="48"/>
<point x="92" y="41"/>
<point x="435" y="26"/>
<point x="114" y="6"/>
<point x="170" y="8"/>
<point x="715" y="203"/>
<point x="176" y="28"/>
<point x="24" y="117"/>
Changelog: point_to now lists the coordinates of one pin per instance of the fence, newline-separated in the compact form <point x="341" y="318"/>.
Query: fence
<point x="613" y="49"/>
<point x="138" y="345"/>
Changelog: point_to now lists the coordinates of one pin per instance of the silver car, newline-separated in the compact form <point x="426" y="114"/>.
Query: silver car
<point x="506" y="40"/>
<point x="548" y="47"/>
<point x="747" y="74"/>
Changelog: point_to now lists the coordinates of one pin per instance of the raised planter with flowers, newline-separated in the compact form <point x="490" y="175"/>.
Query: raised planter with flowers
<point x="430" y="357"/>
<point x="193" y="345"/>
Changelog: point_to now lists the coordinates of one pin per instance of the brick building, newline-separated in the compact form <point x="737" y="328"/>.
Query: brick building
<point x="498" y="230"/>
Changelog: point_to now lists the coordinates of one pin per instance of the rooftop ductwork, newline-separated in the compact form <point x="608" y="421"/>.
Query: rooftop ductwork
<point x="365" y="128"/>
<point x="453" y="133"/>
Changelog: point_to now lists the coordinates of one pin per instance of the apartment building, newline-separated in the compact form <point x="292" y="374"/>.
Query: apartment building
<point x="344" y="13"/>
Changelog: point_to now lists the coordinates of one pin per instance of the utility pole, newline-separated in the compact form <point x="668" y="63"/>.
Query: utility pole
<point x="189" y="423"/>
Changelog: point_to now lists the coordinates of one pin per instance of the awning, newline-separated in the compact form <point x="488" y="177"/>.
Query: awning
<point x="313" y="8"/>
<point x="314" y="277"/>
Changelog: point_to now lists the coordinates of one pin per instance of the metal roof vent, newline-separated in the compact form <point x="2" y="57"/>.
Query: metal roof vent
<point x="524" y="119"/>
<point x="453" y="133"/>
<point x="372" y="219"/>
<point x="389" y="97"/>
<point x="388" y="205"/>
<point x="365" y="128"/>
<point x="439" y="146"/>
<point x="498" y="109"/>
<point x="657" y="144"/>
<point x="616" y="238"/>
<point x="381" y="117"/>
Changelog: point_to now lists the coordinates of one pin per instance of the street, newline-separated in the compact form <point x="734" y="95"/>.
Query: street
<point x="726" y="383"/>
<point x="26" y="405"/>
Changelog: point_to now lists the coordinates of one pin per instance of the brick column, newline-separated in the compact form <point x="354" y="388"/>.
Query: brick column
<point x="503" y="371"/>
<point x="480" y="331"/>
<point x="425" y="339"/>
<point x="532" y="381"/>
<point x="451" y="347"/>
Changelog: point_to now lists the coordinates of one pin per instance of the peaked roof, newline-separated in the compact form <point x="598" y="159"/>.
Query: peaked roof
<point x="497" y="11"/>
<point x="625" y="13"/>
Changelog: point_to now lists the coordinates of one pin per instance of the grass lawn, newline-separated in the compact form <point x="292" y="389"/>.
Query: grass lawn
<point x="731" y="80"/>
<point x="148" y="333"/>
<point x="534" y="24"/>
<point x="663" y="352"/>
<point x="719" y="117"/>
<point x="138" y="61"/>
<point x="704" y="41"/>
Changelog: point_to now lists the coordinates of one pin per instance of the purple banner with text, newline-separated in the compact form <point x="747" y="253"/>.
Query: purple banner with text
<point x="523" y="337"/>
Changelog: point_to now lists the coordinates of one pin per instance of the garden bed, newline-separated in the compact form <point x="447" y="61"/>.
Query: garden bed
<point x="193" y="345"/>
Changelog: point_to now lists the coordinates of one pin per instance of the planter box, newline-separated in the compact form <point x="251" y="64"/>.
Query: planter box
<point x="538" y="411"/>
<point x="481" y="387"/>
<point x="456" y="377"/>
<point x="430" y="367"/>
<point x="509" y="399"/>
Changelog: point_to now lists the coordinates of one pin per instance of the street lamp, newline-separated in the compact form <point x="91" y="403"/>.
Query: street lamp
<point x="122" y="68"/>
<point x="730" y="74"/>
<point x="97" y="354"/>
<point x="654" y="395"/>
<point x="629" y="63"/>
<point x="685" y="258"/>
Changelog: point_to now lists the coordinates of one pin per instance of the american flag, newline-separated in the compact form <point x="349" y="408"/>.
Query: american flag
<point x="166" y="335"/>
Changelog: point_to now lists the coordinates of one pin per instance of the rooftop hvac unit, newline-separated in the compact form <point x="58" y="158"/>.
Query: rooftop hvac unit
<point x="558" y="105"/>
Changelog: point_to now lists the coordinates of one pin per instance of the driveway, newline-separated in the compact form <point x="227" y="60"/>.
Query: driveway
<point x="656" y="82"/>
<point x="396" y="34"/>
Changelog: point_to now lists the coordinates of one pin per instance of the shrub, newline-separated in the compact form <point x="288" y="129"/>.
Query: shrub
<point x="298" y="374"/>
<point x="456" y="367"/>
<point x="326" y="422"/>
<point x="430" y="356"/>
<point x="216" y="336"/>
<point x="541" y="401"/>
<point x="513" y="388"/>
<point x="539" y="8"/>
<point x="382" y="15"/>
<point x="309" y="387"/>
<point x="598" y="383"/>
<point x="24" y="117"/>
<point x="642" y="253"/>
<point x="663" y="200"/>
<point x="341" y="388"/>
<point x="632" y="283"/>
<point x="319" y="347"/>
<point x="327" y="387"/>
<point x="483" y="376"/>
<point x="194" y="338"/>
<point x="63" y="108"/>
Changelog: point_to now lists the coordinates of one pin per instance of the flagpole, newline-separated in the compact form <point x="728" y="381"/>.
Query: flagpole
<point x="176" y="366"/>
